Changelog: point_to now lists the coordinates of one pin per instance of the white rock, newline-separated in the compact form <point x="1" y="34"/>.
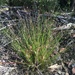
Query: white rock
<point x="54" y="67"/>
<point x="8" y="70"/>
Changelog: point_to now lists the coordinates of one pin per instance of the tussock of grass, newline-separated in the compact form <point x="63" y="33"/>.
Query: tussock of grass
<point x="34" y="43"/>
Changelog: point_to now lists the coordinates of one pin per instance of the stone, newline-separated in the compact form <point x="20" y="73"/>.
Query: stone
<point x="59" y="72"/>
<point x="8" y="70"/>
<point x="73" y="70"/>
<point x="55" y="67"/>
<point x="67" y="74"/>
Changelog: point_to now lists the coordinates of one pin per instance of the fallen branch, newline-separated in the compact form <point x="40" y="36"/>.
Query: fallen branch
<point x="64" y="27"/>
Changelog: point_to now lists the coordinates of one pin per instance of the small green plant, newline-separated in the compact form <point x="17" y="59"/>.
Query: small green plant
<point x="34" y="43"/>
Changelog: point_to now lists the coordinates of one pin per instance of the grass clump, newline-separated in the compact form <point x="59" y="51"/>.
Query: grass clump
<point x="34" y="43"/>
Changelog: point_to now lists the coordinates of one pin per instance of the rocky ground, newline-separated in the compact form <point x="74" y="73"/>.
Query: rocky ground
<point x="7" y="67"/>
